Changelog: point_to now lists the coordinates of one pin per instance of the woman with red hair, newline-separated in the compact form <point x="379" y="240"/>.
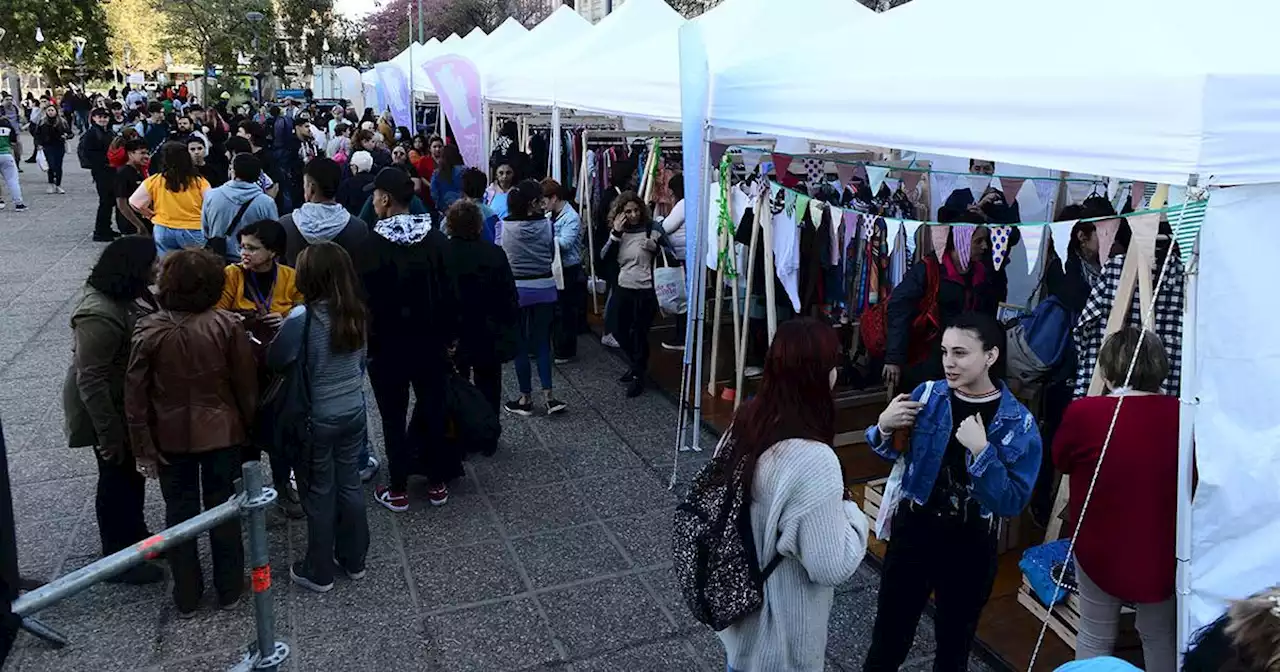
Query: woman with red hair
<point x="803" y="521"/>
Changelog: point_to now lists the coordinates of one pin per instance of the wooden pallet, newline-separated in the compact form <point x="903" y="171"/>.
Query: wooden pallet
<point x="873" y="495"/>
<point x="1065" y="618"/>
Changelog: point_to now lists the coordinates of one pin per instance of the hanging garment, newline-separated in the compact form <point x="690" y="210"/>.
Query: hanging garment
<point x="786" y="255"/>
<point x="1091" y="327"/>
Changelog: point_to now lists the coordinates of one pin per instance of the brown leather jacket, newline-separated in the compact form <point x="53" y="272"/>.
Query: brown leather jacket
<point x="192" y="385"/>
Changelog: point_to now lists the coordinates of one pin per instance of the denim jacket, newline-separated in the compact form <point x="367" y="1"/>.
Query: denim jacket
<point x="1002" y="475"/>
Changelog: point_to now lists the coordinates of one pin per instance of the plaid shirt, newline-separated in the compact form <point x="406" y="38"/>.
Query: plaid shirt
<point x="1090" y="328"/>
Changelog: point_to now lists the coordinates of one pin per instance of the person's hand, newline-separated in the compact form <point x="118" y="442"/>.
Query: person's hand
<point x="892" y="375"/>
<point x="619" y="223"/>
<point x="900" y="414"/>
<point x="972" y="434"/>
<point x="111" y="453"/>
<point x="148" y="469"/>
<point x="272" y="320"/>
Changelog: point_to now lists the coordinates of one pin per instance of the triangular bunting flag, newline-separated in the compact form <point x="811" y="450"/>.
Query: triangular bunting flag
<point x="774" y="188"/>
<point x="1145" y="230"/>
<point x="860" y="171"/>
<point x="1011" y="186"/>
<point x="751" y="159"/>
<point x="789" y="202"/>
<point x="802" y="206"/>
<point x="938" y="239"/>
<point x="875" y="177"/>
<point x="781" y="164"/>
<point x="1045" y="189"/>
<point x="1106" y="232"/>
<point x="910" y="227"/>
<point x="851" y="222"/>
<point x="1061" y="232"/>
<point x="815" y="212"/>
<point x="962" y="239"/>
<point x="978" y="185"/>
<point x="1033" y="238"/>
<point x="1137" y="194"/>
<point x="894" y="228"/>
<point x="910" y="181"/>
<point x="893" y="185"/>
<point x="717" y="152"/>
<point x="845" y="171"/>
<point x="942" y="184"/>
<point x="1000" y="244"/>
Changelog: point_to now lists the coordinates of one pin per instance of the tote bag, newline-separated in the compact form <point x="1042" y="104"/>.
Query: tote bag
<point x="668" y="284"/>
<point x="41" y="161"/>
<point x="893" y="488"/>
<point x="557" y="264"/>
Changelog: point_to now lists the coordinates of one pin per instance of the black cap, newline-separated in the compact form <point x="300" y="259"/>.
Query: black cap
<point x="395" y="182"/>
<point x="100" y="112"/>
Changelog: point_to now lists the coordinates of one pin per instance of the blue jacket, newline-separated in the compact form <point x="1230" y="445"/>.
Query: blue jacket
<point x="569" y="236"/>
<point x="446" y="189"/>
<point x="1001" y="476"/>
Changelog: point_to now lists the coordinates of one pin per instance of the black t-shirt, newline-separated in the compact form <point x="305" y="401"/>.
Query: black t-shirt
<point x="215" y="174"/>
<point x="127" y="180"/>
<point x="951" y="491"/>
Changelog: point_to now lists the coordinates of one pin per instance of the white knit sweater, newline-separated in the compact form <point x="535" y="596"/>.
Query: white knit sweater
<point x="798" y="510"/>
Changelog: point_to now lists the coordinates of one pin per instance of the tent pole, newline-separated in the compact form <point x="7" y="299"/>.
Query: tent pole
<point x="699" y="288"/>
<point x="555" y="144"/>
<point x="743" y="334"/>
<point x="1186" y="450"/>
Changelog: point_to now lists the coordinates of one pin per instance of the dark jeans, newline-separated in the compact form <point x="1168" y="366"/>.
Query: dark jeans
<point x="571" y="313"/>
<point x="187" y="482"/>
<point x="636" y="310"/>
<point x="534" y="342"/>
<point x="54" y="155"/>
<point x="104" y="180"/>
<point x="329" y="485"/>
<point x="953" y="558"/>
<point x="280" y="466"/>
<point x="418" y="447"/>
<point x="82" y="121"/>
<point x="486" y="374"/>
<point x="122" y="491"/>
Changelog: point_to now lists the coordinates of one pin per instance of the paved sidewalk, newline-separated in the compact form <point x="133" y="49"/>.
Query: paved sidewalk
<point x="555" y="554"/>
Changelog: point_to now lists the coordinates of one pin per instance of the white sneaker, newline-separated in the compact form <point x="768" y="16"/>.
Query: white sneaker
<point x="1" y="204"/>
<point x="752" y="372"/>
<point x="49" y="190"/>
<point x="609" y="341"/>
<point x="61" y="190"/>
<point x="370" y="468"/>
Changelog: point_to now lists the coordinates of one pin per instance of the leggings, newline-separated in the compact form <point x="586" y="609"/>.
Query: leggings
<point x="1100" y="620"/>
<point x="54" y="155"/>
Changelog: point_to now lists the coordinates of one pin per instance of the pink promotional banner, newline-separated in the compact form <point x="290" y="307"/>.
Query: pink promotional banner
<point x="457" y="83"/>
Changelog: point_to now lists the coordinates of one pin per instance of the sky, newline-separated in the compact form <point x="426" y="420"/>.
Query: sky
<point x="354" y="9"/>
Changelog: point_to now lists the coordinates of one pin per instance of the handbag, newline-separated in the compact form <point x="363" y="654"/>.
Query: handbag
<point x="893" y="487"/>
<point x="475" y="425"/>
<point x="557" y="264"/>
<point x="41" y="161"/>
<point x="287" y="402"/>
<point x="668" y="285"/>
<point x="218" y="243"/>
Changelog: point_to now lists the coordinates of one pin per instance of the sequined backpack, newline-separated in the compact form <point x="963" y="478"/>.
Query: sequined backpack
<point x="713" y="548"/>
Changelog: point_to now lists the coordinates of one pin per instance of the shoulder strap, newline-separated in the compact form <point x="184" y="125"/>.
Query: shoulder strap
<point x="768" y="569"/>
<point x="235" y="221"/>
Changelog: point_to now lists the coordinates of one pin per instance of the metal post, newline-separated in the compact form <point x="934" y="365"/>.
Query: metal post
<point x="698" y="318"/>
<point x="256" y="501"/>
<point x="1186" y="449"/>
<point x="556" y="171"/>
<point x="422" y="31"/>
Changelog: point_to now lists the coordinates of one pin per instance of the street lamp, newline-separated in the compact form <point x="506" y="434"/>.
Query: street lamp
<point x="78" y="42"/>
<point x="255" y="18"/>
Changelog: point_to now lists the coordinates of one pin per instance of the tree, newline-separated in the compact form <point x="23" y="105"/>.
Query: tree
<point x="134" y="37"/>
<point x="692" y="8"/>
<point x="58" y="21"/>
<point x="214" y="31"/>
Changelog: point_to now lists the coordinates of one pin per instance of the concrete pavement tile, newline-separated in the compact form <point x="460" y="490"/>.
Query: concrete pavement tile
<point x="646" y="537"/>
<point x="625" y="492"/>
<point x="214" y="630"/>
<point x="853" y="616"/>
<point x="379" y="601"/>
<point x="399" y="647"/>
<point x="56" y="499"/>
<point x="464" y="575"/>
<point x="41" y="545"/>
<point x="665" y="656"/>
<point x="124" y="638"/>
<point x="518" y="471"/>
<point x="568" y="555"/>
<point x="504" y="636"/>
<point x="708" y="647"/>
<point x="601" y="455"/>
<point x="517" y="434"/>
<point x="21" y="406"/>
<point x="580" y="430"/>
<point x="864" y="578"/>
<point x="540" y="509"/>
<point x="37" y="466"/>
<point x="17" y="435"/>
<point x="604" y="616"/>
<point x="464" y="520"/>
<point x="663" y="582"/>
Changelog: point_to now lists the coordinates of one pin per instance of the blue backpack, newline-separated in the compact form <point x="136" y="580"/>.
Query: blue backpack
<point x="1039" y="341"/>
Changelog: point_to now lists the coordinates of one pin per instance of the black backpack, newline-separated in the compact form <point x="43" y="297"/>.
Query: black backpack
<point x="713" y="547"/>
<point x="82" y="153"/>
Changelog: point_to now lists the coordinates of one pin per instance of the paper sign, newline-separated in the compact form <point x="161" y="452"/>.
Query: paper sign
<point x="457" y="83"/>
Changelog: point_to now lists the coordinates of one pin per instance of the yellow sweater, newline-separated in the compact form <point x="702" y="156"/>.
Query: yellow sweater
<point x="284" y="292"/>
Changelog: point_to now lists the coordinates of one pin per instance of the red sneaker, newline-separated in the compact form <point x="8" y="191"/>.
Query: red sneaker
<point x="396" y="501"/>
<point x="438" y="495"/>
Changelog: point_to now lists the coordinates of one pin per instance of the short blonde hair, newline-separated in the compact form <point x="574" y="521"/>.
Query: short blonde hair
<point x="1122" y="347"/>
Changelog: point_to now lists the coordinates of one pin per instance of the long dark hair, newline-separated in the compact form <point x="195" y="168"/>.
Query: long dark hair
<point x="179" y="172"/>
<point x="450" y="158"/>
<point x="124" y="270"/>
<point x="521" y="198"/>
<point x="325" y="273"/>
<point x="794" y="400"/>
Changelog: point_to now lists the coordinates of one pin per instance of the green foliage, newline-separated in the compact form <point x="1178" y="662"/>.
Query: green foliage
<point x="214" y="31"/>
<point x="58" y="21"/>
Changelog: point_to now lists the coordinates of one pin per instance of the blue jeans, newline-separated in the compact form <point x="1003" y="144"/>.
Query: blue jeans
<point x="332" y="497"/>
<point x="534" y="340"/>
<point x="172" y="240"/>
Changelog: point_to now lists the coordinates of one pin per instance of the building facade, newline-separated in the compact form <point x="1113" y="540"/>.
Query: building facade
<point x="594" y="10"/>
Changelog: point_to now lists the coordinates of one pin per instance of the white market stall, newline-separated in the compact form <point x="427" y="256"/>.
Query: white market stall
<point x="1183" y="92"/>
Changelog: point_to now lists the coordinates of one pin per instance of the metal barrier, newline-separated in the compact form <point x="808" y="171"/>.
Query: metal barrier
<point x="250" y="501"/>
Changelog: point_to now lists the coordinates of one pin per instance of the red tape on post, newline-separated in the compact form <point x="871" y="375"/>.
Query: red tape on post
<point x="147" y="543"/>
<point x="260" y="579"/>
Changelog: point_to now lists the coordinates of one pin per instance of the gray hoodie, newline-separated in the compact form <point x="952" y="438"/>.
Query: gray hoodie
<point x="320" y="222"/>
<point x="222" y="204"/>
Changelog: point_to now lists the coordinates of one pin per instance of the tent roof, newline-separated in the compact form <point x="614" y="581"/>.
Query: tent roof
<point x="522" y="83"/>
<point x="1180" y="90"/>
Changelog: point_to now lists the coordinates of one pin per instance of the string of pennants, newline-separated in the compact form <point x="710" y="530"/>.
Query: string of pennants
<point x="1034" y="234"/>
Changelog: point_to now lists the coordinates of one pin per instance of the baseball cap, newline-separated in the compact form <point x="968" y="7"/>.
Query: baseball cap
<point x="100" y="112"/>
<point x="362" y="160"/>
<point x="395" y="182"/>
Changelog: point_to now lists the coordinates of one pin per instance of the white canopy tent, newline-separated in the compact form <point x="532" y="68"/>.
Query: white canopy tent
<point x="524" y="79"/>
<point x="1182" y="92"/>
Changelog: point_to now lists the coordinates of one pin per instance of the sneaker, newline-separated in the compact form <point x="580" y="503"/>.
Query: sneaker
<point x="103" y="237"/>
<point x="231" y="605"/>
<point x="564" y="360"/>
<point x="635" y="389"/>
<point x="370" y="468"/>
<point x="60" y="190"/>
<point x="672" y="346"/>
<point x="396" y="501"/>
<point x="49" y="190"/>
<point x="354" y="576"/>
<point x="627" y="378"/>
<point x="20" y="207"/>
<point x="516" y="408"/>
<point x="556" y="406"/>
<point x="300" y="578"/>
<point x="1" y="204"/>
<point x="609" y="341"/>
<point x="438" y="495"/>
<point x="139" y="575"/>
<point x="752" y="372"/>
<point x="188" y="615"/>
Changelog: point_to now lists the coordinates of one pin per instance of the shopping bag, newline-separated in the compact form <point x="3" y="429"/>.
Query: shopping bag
<point x="557" y="264"/>
<point x="893" y="488"/>
<point x="668" y="284"/>
<point x="41" y="161"/>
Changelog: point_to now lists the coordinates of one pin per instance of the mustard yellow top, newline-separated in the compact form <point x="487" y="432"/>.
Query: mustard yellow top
<point x="176" y="209"/>
<point x="284" y="291"/>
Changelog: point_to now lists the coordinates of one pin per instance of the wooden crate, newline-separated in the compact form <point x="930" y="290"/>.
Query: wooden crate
<point x="1010" y="529"/>
<point x="1065" y="618"/>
